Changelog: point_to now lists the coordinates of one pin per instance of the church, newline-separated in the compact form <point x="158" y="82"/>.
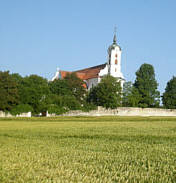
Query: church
<point x="92" y="75"/>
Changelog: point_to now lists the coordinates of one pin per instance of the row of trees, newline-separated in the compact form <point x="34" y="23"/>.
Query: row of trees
<point x="143" y="92"/>
<point x="33" y="93"/>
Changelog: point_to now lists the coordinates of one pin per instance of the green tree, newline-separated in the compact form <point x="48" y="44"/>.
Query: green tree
<point x="107" y="93"/>
<point x="71" y="103"/>
<point x="76" y="86"/>
<point x="70" y="91"/>
<point x="21" y="108"/>
<point x="131" y="96"/>
<point x="169" y="96"/>
<point x="127" y="93"/>
<point x="68" y="102"/>
<point x="34" y="90"/>
<point x="17" y="77"/>
<point x="8" y="91"/>
<point x="60" y="87"/>
<point x="146" y="85"/>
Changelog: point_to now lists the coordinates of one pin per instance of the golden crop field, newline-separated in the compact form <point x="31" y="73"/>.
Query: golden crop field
<point x="88" y="150"/>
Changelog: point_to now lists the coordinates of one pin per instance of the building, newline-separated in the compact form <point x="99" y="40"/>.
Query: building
<point x="92" y="75"/>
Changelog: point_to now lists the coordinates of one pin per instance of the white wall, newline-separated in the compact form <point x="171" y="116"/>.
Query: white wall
<point x="92" y="82"/>
<point x="124" y="111"/>
<point x="3" y="114"/>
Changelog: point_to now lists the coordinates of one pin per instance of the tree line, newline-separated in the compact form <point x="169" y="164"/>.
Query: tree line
<point x="34" y="93"/>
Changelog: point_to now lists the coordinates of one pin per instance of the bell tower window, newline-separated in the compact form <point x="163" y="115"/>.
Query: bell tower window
<point x="116" y="61"/>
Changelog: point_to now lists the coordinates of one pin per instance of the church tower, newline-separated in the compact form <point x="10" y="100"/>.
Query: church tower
<point x="93" y="75"/>
<point x="114" y="60"/>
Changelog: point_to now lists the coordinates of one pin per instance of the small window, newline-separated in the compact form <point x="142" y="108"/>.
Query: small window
<point x="116" y="55"/>
<point x="115" y="70"/>
<point x="116" y="61"/>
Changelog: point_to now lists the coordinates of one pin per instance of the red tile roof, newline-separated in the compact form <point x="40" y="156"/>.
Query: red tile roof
<point x="84" y="74"/>
<point x="64" y="73"/>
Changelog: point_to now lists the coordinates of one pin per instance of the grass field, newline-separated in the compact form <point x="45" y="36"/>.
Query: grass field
<point x="88" y="149"/>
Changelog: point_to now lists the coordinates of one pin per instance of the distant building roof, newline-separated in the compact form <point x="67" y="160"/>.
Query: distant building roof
<point x="84" y="74"/>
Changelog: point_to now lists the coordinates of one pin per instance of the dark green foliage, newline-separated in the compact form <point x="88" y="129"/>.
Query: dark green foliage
<point x="131" y="96"/>
<point x="54" y="99"/>
<point x="107" y="93"/>
<point x="33" y="91"/>
<point x="21" y="108"/>
<point x="69" y="92"/>
<point x="146" y="86"/>
<point x="55" y="109"/>
<point x="62" y="103"/>
<point x="75" y="85"/>
<point x="60" y="87"/>
<point x="169" y="96"/>
<point x="92" y="96"/>
<point x="88" y="107"/>
<point x="17" y="78"/>
<point x="71" y="102"/>
<point x="8" y="92"/>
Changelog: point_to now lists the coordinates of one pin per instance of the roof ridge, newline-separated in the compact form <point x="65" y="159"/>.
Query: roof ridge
<point x="94" y="67"/>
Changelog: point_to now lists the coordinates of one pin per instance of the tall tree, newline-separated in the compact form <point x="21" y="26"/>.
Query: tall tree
<point x="76" y="86"/>
<point x="107" y="93"/>
<point x="33" y="91"/>
<point x="169" y="96"/>
<point x="131" y="96"/>
<point x="146" y="86"/>
<point x="60" y="87"/>
<point x="8" y="92"/>
<point x="70" y="91"/>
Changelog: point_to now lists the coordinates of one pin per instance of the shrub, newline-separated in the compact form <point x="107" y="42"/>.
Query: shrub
<point x="21" y="108"/>
<point x="88" y="107"/>
<point x="71" y="102"/>
<point x="55" y="109"/>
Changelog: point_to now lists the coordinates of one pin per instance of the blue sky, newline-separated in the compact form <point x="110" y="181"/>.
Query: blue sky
<point x="37" y="36"/>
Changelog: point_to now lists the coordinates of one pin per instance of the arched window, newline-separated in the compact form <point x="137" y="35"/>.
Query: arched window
<point x="116" y="61"/>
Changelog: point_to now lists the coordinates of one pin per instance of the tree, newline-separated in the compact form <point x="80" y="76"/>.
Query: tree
<point x="76" y="86"/>
<point x="131" y="95"/>
<point x="169" y="96"/>
<point x="127" y="93"/>
<point x="17" y="78"/>
<point x="70" y="90"/>
<point x="71" y="103"/>
<point x="33" y="91"/>
<point x="21" y="108"/>
<point x="107" y="93"/>
<point x="60" y="87"/>
<point x="68" y="102"/>
<point x="8" y="92"/>
<point x="146" y="85"/>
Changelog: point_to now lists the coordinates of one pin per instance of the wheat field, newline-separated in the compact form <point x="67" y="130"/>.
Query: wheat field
<point x="88" y="149"/>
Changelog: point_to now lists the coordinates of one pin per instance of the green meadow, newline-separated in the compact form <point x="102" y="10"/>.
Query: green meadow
<point x="88" y="150"/>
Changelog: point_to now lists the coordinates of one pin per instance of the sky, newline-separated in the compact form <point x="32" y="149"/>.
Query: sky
<point x="37" y="36"/>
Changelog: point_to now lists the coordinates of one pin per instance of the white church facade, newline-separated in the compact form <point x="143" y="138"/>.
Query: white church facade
<point x="92" y="75"/>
